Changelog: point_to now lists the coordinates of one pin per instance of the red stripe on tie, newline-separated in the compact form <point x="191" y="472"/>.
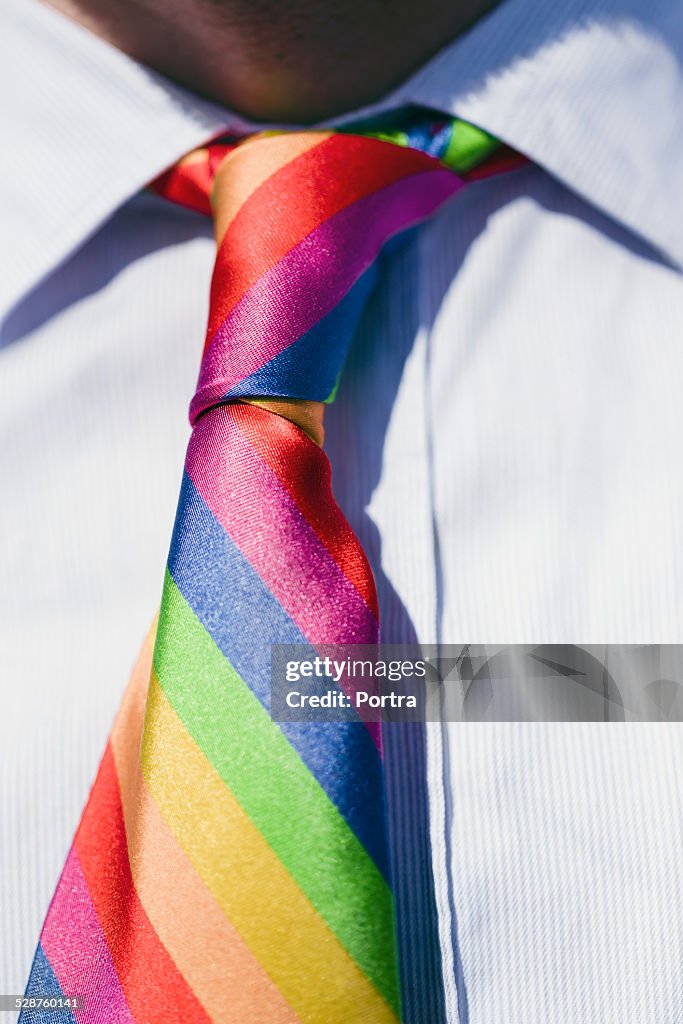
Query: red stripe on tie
<point x="294" y="201"/>
<point x="154" y="989"/>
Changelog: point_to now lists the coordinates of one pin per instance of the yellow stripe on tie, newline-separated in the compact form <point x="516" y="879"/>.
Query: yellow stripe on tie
<point x="298" y="950"/>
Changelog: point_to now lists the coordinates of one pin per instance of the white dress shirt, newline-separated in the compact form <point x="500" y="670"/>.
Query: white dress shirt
<point x="506" y="444"/>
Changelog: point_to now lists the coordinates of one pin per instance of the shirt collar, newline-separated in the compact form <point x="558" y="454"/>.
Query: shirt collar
<point x="591" y="90"/>
<point x="88" y="128"/>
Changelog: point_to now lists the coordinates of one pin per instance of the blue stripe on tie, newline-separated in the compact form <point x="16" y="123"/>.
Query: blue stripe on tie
<point x="43" y="982"/>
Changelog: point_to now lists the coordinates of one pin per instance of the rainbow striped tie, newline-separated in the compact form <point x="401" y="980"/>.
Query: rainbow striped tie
<point x="227" y="867"/>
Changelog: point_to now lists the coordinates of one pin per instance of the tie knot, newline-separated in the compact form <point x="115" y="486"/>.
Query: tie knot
<point x="300" y="219"/>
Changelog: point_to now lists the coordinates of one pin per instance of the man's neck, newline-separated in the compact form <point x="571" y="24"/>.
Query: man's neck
<point x="296" y="62"/>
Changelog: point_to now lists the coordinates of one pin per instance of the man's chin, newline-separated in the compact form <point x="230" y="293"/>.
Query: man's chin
<point x="299" y="63"/>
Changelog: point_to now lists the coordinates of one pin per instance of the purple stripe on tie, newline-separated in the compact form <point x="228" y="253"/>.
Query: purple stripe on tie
<point x="311" y="279"/>
<point x="75" y="945"/>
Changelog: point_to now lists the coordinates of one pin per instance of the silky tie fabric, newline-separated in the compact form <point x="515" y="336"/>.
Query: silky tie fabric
<point x="227" y="867"/>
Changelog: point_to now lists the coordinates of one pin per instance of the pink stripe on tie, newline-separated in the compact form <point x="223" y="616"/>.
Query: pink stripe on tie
<point x="312" y="279"/>
<point x="77" y="950"/>
<point x="260" y="516"/>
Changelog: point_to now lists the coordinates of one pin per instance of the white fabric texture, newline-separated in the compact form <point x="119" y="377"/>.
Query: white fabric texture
<point x="564" y="853"/>
<point x="505" y="443"/>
